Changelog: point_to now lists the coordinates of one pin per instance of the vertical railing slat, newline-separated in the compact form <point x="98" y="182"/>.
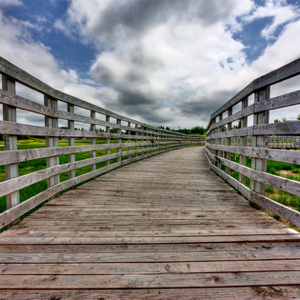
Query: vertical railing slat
<point x="243" y="140"/>
<point x="51" y="141"/>
<point x="10" y="141"/>
<point x="107" y="130"/>
<point x="220" y="153"/>
<point x="260" y="141"/>
<point x="71" y="140"/>
<point x="93" y="140"/>
<point x="228" y="154"/>
<point x="129" y="140"/>
<point x="119" y="140"/>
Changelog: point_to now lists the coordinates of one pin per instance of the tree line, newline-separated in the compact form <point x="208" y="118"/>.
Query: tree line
<point x="194" y="130"/>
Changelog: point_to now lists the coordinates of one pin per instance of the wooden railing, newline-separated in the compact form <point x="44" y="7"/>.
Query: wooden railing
<point x="225" y="141"/>
<point x="124" y="140"/>
<point x="284" y="142"/>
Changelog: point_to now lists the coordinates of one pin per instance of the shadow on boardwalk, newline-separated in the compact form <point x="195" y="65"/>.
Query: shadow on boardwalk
<point x="163" y="228"/>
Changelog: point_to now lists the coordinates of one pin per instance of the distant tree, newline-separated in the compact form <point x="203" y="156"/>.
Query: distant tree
<point x="284" y="119"/>
<point x="239" y="125"/>
<point x="277" y="121"/>
<point x="198" y="129"/>
<point x="298" y="118"/>
<point x="24" y="137"/>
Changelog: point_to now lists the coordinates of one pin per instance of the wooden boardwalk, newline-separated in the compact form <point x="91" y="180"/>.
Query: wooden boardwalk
<point x="163" y="228"/>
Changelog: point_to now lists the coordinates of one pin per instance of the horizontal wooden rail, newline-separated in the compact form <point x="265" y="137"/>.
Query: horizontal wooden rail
<point x="111" y="141"/>
<point x="257" y="143"/>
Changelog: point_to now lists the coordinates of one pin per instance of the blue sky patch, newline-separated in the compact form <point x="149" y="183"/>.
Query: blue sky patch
<point x="68" y="51"/>
<point x="251" y="37"/>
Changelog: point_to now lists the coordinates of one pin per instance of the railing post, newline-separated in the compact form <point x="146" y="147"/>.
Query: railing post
<point x="158" y="140"/>
<point x="228" y="154"/>
<point x="93" y="140"/>
<point x="148" y="142"/>
<point x="51" y="141"/>
<point x="71" y="140"/>
<point x="119" y="150"/>
<point x="136" y="141"/>
<point x="129" y="140"/>
<point x="107" y="130"/>
<point x="10" y="142"/>
<point x="220" y="153"/>
<point x="243" y="140"/>
<point x="260" y="141"/>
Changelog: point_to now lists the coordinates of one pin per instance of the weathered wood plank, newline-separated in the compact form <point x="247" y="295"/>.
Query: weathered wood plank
<point x="271" y="154"/>
<point x="24" y="129"/>
<point x="26" y="180"/>
<point x="189" y="280"/>
<point x="16" y="156"/>
<point x="149" y="268"/>
<point x="160" y="223"/>
<point x="145" y="232"/>
<point x="281" y="101"/>
<point x="183" y="247"/>
<point x="262" y="201"/>
<point x="228" y="293"/>
<point x="278" y="182"/>
<point x="292" y="237"/>
<point x="122" y="257"/>
<point x="17" y="211"/>
<point x="10" y="142"/>
<point x="232" y="133"/>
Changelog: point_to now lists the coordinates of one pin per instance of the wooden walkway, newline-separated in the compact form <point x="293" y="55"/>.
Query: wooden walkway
<point x="163" y="228"/>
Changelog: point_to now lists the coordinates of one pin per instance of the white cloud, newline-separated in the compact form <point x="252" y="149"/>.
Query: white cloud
<point x="164" y="62"/>
<point x="174" y="60"/>
<point x="4" y="3"/>
<point x="276" y="9"/>
<point x="18" y="47"/>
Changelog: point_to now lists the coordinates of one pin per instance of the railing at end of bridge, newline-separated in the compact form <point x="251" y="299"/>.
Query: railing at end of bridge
<point x="123" y="139"/>
<point x="256" y="142"/>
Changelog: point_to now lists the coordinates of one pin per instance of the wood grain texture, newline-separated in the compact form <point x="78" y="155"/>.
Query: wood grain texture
<point x="278" y="182"/>
<point x="241" y="293"/>
<point x="162" y="228"/>
<point x="271" y="154"/>
<point x="275" y="207"/>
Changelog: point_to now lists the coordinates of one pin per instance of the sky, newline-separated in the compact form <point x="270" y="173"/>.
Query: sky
<point x="163" y="62"/>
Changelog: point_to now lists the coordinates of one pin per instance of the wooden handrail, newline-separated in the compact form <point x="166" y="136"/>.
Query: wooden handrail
<point x="140" y="141"/>
<point x="259" y="142"/>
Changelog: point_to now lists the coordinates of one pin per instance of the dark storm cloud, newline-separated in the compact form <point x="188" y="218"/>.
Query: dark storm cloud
<point x="137" y="103"/>
<point x="133" y="17"/>
<point x="204" y="108"/>
<point x="138" y="64"/>
<point x="134" y="99"/>
<point x="127" y="67"/>
<point x="138" y="58"/>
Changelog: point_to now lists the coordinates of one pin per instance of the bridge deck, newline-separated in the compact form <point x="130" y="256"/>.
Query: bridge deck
<point x="162" y="228"/>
